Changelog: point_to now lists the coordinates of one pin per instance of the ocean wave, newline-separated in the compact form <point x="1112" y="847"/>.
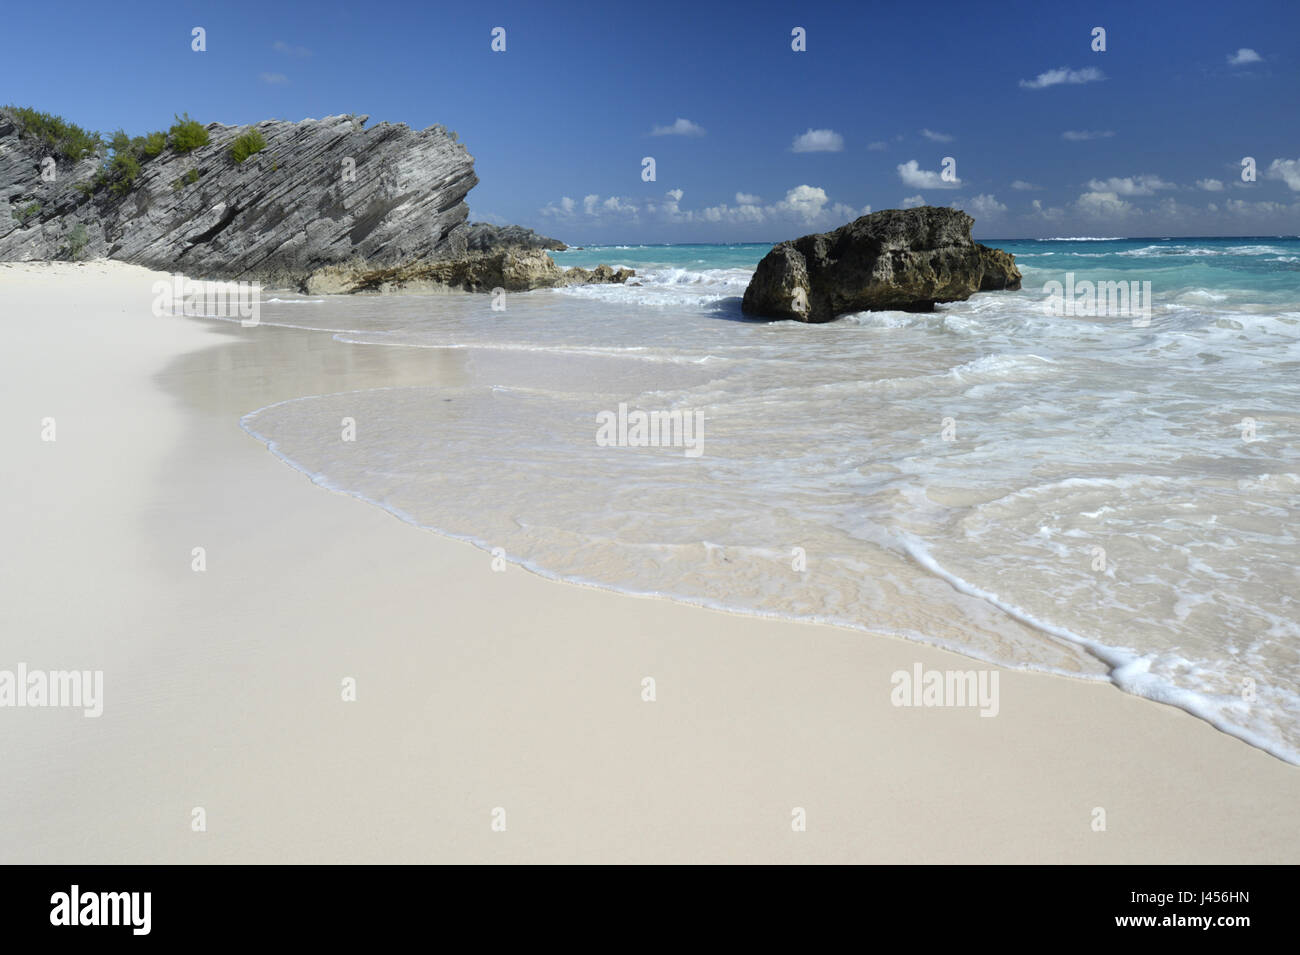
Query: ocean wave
<point x="1132" y="670"/>
<point x="1065" y="431"/>
<point x="1000" y="365"/>
<point x="1200" y="251"/>
<point x="668" y="287"/>
<point x="1203" y="295"/>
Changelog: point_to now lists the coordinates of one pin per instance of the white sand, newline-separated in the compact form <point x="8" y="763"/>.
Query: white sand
<point x="476" y="689"/>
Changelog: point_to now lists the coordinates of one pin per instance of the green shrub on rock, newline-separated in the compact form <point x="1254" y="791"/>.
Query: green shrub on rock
<point x="54" y="132"/>
<point x="247" y="143"/>
<point x="189" y="179"/>
<point x="77" y="240"/>
<point x="25" y="213"/>
<point x="154" y="144"/>
<point x="187" y="134"/>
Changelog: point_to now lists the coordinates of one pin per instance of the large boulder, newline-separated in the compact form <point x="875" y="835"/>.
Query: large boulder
<point x="900" y="259"/>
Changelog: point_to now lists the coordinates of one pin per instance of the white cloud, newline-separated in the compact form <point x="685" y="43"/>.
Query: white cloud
<point x="1169" y="208"/>
<point x="802" y="206"/>
<point x="617" y="206"/>
<point x="281" y="47"/>
<point x="819" y="141"/>
<point x="1050" y="213"/>
<point x="937" y="137"/>
<point x="1083" y="135"/>
<point x="1241" y="207"/>
<point x="670" y="208"/>
<point x="1288" y="170"/>
<point x="1021" y="186"/>
<point x="1102" y="205"/>
<point x="273" y="79"/>
<point x="913" y="175"/>
<point x="985" y="205"/>
<point x="1209" y="185"/>
<point x="805" y="202"/>
<point x="878" y="146"/>
<point x="682" y="127"/>
<point x="1089" y="74"/>
<point x="841" y="211"/>
<point x="1243" y="56"/>
<point x="728" y="214"/>
<point x="911" y="202"/>
<point x="562" y="210"/>
<point x="1130" y="185"/>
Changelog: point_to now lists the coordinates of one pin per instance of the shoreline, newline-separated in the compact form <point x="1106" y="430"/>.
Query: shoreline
<point x="479" y="689"/>
<point x="1100" y="654"/>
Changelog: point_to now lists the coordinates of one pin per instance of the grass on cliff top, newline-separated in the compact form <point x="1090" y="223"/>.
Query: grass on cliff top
<point x="129" y="153"/>
<point x="187" y="134"/>
<point x="248" y="142"/>
<point x="54" y="132"/>
<point x="123" y="155"/>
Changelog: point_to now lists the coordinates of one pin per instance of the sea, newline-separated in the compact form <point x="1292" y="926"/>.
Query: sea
<point x="1105" y="490"/>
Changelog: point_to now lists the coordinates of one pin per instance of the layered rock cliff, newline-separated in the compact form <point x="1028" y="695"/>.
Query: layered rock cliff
<point x="326" y="204"/>
<point x="904" y="259"/>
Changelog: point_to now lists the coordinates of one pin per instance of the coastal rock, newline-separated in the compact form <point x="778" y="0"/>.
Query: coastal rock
<point x="515" y="269"/>
<point x="320" y="192"/>
<point x="37" y="216"/>
<point x="482" y="237"/>
<point x="600" y="275"/>
<point x="326" y="205"/>
<point x="904" y="259"/>
<point x="1000" y="272"/>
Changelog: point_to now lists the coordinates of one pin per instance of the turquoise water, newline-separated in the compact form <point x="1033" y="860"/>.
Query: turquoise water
<point x="1086" y="494"/>
<point x="1259" y="269"/>
<point x="740" y="255"/>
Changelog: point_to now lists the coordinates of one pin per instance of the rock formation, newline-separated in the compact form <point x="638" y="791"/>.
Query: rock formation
<point x="326" y="205"/>
<point x="513" y="268"/>
<point x="481" y="237"/>
<point x="905" y="259"/>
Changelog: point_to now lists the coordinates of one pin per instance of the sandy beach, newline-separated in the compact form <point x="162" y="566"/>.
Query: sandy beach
<point x="477" y="690"/>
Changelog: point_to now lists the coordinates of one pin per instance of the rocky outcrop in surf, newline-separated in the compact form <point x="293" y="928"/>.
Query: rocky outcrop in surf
<point x="513" y="268"/>
<point x="904" y="259"/>
<point x="317" y="204"/>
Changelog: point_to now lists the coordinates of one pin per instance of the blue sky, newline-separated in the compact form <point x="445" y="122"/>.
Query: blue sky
<point x="756" y="142"/>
